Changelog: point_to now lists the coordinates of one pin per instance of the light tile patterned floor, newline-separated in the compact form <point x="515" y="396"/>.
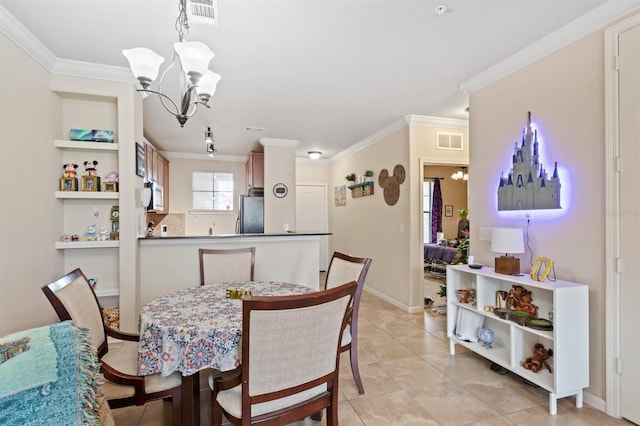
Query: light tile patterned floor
<point x="410" y="379"/>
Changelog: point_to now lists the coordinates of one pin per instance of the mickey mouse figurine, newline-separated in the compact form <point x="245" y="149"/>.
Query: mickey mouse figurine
<point x="90" y="168"/>
<point x="69" y="170"/>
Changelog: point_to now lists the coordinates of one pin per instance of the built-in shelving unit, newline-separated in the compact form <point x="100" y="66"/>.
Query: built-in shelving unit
<point x="80" y="209"/>
<point x="87" y="195"/>
<point x="68" y="245"/>
<point x="86" y="145"/>
<point x="567" y="303"/>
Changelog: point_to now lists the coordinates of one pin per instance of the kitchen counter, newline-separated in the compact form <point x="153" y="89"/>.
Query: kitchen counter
<point x="225" y="236"/>
<point x="171" y="263"/>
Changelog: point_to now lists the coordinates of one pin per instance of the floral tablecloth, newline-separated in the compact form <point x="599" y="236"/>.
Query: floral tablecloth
<point x="197" y="328"/>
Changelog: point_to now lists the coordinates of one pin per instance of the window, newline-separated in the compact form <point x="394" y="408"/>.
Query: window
<point x="212" y="191"/>
<point x="426" y="217"/>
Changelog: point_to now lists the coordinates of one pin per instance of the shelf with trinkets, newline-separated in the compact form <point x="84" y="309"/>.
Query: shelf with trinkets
<point x="525" y="314"/>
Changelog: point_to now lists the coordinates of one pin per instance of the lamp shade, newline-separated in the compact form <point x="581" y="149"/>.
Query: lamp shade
<point x="207" y="85"/>
<point x="194" y="58"/>
<point x="314" y="155"/>
<point x="507" y="240"/>
<point x="144" y="63"/>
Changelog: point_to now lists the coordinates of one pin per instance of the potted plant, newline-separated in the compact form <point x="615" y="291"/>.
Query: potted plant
<point x="463" y="223"/>
<point x="351" y="178"/>
<point x="368" y="176"/>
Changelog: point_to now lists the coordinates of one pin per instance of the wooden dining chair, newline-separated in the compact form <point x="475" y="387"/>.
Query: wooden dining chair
<point x="290" y="359"/>
<point x="73" y="298"/>
<point x="226" y="265"/>
<point x="343" y="268"/>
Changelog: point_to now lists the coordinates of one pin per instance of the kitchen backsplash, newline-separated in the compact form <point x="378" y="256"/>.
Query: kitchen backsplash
<point x="174" y="222"/>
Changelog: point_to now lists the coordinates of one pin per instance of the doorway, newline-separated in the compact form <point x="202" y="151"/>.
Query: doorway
<point x="311" y="215"/>
<point x="454" y="196"/>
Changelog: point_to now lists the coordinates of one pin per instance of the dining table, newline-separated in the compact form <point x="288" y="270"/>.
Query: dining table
<point x="199" y="328"/>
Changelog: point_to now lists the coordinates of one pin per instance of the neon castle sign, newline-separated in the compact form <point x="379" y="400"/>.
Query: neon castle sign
<point x="527" y="186"/>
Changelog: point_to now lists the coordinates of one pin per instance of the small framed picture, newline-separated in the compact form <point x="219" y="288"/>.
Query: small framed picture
<point x="110" y="186"/>
<point x="90" y="183"/>
<point x="68" y="184"/>
<point x="448" y="210"/>
<point x="340" y="197"/>
<point x="140" y="160"/>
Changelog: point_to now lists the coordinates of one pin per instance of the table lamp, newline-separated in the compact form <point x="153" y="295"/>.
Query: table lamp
<point x="507" y="241"/>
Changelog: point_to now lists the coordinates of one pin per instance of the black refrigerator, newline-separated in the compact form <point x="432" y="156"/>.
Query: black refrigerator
<point x="251" y="215"/>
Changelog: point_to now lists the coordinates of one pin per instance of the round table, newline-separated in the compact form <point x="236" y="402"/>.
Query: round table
<point x="197" y="328"/>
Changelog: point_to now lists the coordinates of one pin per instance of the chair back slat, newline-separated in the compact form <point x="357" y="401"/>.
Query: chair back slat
<point x="73" y="299"/>
<point x="294" y="345"/>
<point x="226" y="265"/>
<point x="291" y="344"/>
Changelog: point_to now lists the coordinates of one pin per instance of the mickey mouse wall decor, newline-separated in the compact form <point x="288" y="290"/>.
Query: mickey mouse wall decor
<point x="391" y="184"/>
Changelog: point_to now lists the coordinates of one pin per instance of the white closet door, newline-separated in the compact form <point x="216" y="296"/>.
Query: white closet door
<point x="311" y="215"/>
<point x="629" y="95"/>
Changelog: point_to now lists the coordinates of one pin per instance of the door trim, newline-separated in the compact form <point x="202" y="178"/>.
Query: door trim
<point x="612" y="220"/>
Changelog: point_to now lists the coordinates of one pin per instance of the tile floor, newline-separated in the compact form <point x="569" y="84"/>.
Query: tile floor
<point x="410" y="379"/>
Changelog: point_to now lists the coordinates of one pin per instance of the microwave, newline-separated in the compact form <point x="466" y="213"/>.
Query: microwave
<point x="157" y="197"/>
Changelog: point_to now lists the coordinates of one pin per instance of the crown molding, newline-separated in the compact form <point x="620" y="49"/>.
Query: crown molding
<point x="373" y="138"/>
<point x="575" y="30"/>
<point x="425" y="120"/>
<point x="287" y="143"/>
<point x="195" y="156"/>
<point x="93" y="70"/>
<point x="23" y="38"/>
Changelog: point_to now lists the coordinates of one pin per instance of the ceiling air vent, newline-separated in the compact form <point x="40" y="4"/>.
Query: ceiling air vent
<point x="203" y="12"/>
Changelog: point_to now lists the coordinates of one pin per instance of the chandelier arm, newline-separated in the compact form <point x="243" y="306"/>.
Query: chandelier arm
<point x="195" y="109"/>
<point x="162" y="96"/>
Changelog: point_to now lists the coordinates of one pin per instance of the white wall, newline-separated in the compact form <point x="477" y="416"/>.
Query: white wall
<point x="31" y="168"/>
<point x="565" y="93"/>
<point x="367" y="226"/>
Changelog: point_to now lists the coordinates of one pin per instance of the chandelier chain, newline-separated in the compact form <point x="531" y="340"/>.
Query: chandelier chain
<point x="182" y="23"/>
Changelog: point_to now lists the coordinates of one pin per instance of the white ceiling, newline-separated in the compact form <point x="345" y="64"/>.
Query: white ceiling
<point x="327" y="73"/>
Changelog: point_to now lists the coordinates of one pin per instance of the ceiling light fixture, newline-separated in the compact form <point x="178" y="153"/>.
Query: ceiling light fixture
<point x="208" y="140"/>
<point x="441" y="10"/>
<point x="199" y="83"/>
<point x="460" y="174"/>
<point x="314" y="155"/>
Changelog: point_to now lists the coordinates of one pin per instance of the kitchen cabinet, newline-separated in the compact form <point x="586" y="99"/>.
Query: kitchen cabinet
<point x="157" y="171"/>
<point x="255" y="171"/>
<point x="565" y="303"/>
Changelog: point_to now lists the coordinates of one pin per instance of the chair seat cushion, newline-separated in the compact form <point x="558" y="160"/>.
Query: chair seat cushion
<point x="346" y="336"/>
<point x="231" y="401"/>
<point x="123" y="356"/>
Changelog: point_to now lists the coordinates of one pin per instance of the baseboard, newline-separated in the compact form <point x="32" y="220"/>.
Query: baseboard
<point x="394" y="302"/>
<point x="595" y="402"/>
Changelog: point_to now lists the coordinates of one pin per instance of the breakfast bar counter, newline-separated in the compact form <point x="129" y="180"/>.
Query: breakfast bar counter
<point x="171" y="263"/>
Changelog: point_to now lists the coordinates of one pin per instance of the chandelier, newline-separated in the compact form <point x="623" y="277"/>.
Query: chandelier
<point x="460" y="174"/>
<point x="197" y="82"/>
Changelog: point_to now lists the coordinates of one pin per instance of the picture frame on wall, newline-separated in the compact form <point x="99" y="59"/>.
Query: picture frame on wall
<point x="340" y="198"/>
<point x="448" y="210"/>
<point x="140" y="160"/>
